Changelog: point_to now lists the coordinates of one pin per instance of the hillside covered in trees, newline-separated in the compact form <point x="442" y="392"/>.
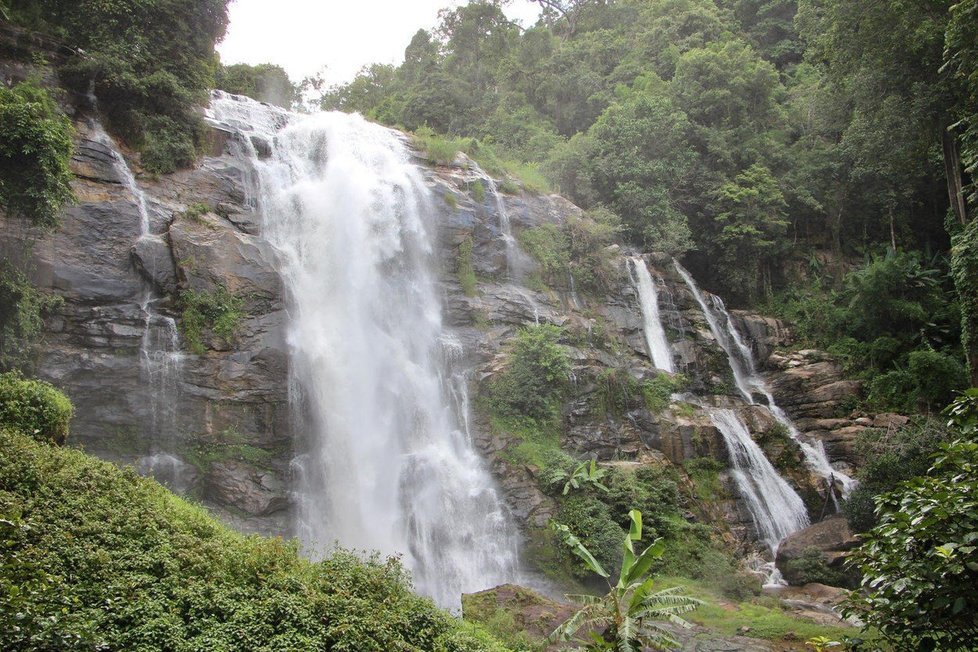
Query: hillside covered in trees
<point x="814" y="155"/>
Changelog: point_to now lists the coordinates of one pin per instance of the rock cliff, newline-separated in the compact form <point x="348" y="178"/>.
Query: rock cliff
<point x="215" y="422"/>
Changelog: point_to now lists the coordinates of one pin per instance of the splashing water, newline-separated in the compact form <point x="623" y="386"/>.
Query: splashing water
<point x="776" y="509"/>
<point x="388" y="463"/>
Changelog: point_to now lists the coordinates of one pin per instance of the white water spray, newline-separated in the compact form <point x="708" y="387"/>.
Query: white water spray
<point x="776" y="509"/>
<point x="388" y="464"/>
<point x="655" y="334"/>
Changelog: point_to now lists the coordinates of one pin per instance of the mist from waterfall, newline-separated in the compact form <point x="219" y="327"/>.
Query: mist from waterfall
<point x="379" y="382"/>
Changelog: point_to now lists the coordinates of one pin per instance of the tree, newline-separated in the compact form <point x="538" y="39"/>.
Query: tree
<point x="919" y="565"/>
<point x="639" y="165"/>
<point x="624" y="619"/>
<point x="265" y="82"/>
<point x="752" y="215"/>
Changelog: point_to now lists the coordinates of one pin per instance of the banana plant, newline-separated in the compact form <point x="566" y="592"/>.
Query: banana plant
<point x="626" y="618"/>
<point x="584" y="473"/>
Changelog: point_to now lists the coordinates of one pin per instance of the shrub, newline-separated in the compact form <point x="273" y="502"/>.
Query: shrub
<point x="35" y="149"/>
<point x="591" y="521"/>
<point x="918" y="565"/>
<point x="658" y="391"/>
<point x="891" y="457"/>
<point x="99" y="558"/>
<point x="22" y="307"/>
<point x="218" y="312"/>
<point x="536" y="377"/>
<point x="35" y="408"/>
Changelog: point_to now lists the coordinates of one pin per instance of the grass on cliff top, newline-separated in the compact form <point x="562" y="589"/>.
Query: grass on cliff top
<point x="442" y="150"/>
<point x="96" y="557"/>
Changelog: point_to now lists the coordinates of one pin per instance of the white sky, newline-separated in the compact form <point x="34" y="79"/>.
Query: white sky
<point x="304" y="36"/>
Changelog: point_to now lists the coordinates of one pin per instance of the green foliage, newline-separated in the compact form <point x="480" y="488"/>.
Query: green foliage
<point x="891" y="457"/>
<point x="148" y="64"/>
<point x="893" y="325"/>
<point x="439" y="149"/>
<point x="576" y="248"/>
<point x="22" y="307"/>
<point x="591" y="522"/>
<point x="218" y="312"/>
<point x="265" y="82"/>
<point x="584" y="474"/>
<point x="35" y="149"/>
<point x="617" y="391"/>
<point x="964" y="269"/>
<point x="624" y="619"/>
<point x="535" y="378"/>
<point x="657" y="391"/>
<point x="465" y="269"/>
<point x="753" y="225"/>
<point x="34" y="408"/>
<point x="99" y="558"/>
<point x="919" y="566"/>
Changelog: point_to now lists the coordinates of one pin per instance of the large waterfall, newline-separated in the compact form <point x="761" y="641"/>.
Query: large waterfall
<point x="386" y="460"/>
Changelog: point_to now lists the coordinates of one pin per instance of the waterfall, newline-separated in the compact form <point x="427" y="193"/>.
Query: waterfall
<point x="387" y="462"/>
<point x="160" y="358"/>
<point x="775" y="508"/>
<point x="655" y="334"/>
<point x="750" y="383"/>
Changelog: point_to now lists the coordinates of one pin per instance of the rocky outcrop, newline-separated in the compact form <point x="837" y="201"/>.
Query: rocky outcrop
<point x="122" y="291"/>
<point x="829" y="540"/>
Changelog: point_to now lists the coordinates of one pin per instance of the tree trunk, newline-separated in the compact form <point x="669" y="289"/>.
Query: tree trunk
<point x="952" y="169"/>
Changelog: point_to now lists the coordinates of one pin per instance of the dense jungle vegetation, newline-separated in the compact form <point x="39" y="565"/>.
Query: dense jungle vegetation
<point x="813" y="156"/>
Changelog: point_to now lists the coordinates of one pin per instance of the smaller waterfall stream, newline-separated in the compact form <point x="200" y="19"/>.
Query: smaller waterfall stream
<point x="750" y="383"/>
<point x="160" y="358"/>
<point x="776" y="509"/>
<point x="655" y="334"/>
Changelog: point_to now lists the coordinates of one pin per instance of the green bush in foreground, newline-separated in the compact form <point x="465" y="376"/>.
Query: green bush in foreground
<point x="34" y="407"/>
<point x="98" y="558"/>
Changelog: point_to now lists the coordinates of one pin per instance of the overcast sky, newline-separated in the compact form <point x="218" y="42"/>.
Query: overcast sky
<point x="304" y="36"/>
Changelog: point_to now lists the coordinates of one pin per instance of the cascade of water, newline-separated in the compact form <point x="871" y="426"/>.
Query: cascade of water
<point x="775" y="507"/>
<point x="389" y="464"/>
<point x="160" y="358"/>
<point x="655" y="334"/>
<point x="750" y="383"/>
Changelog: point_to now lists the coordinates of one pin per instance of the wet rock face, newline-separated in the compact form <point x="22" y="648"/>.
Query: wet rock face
<point x="229" y="416"/>
<point x="115" y="284"/>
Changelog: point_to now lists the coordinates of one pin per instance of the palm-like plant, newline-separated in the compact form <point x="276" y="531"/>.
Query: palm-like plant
<point x="582" y="474"/>
<point x="626" y="618"/>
